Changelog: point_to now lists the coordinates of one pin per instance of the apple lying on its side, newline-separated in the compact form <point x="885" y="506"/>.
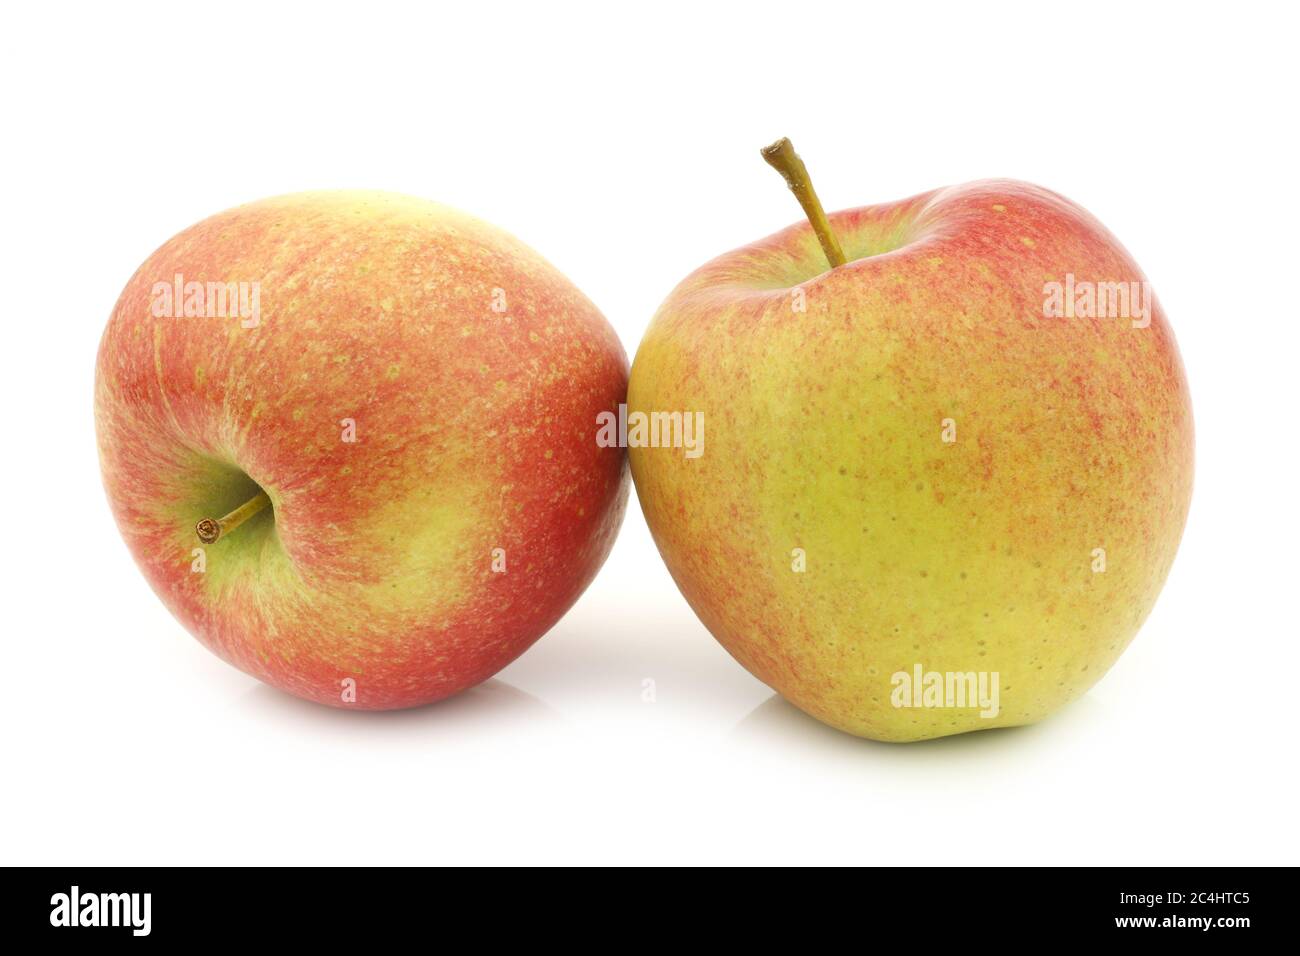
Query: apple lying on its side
<point x="945" y="479"/>
<point x="378" y="413"/>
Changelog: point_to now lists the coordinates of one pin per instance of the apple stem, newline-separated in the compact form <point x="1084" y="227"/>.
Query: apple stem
<point x="782" y="157"/>
<point x="211" y="529"/>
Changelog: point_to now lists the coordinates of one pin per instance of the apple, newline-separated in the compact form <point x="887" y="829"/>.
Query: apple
<point x="947" y="469"/>
<point x="347" y="437"/>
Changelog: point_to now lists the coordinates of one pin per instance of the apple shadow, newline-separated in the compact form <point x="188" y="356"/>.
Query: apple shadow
<point x="589" y="656"/>
<point x="778" y="721"/>
<point x="490" y="702"/>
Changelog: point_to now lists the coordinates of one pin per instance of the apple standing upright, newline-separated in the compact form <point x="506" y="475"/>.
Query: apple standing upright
<point x="349" y="439"/>
<point x="945" y="478"/>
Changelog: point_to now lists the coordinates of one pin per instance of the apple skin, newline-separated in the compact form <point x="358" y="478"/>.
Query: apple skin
<point x="825" y="433"/>
<point x="474" y="431"/>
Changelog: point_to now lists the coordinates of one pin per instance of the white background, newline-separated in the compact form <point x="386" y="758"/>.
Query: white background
<point x="622" y="142"/>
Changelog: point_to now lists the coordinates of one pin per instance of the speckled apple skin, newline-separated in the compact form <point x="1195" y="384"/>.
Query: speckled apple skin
<point x="824" y="432"/>
<point x="474" y="431"/>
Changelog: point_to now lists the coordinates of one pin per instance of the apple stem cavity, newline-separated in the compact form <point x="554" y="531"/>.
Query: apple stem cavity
<point x="210" y="530"/>
<point x="782" y="157"/>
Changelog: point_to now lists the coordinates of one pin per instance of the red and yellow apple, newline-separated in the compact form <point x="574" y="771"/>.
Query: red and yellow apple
<point x="919" y="461"/>
<point x="411" y="391"/>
